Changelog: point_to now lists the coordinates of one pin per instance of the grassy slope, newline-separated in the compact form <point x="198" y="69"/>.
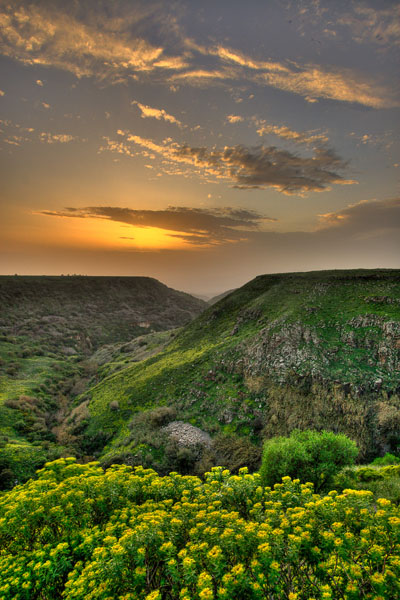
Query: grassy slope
<point x="211" y="366"/>
<point x="49" y="326"/>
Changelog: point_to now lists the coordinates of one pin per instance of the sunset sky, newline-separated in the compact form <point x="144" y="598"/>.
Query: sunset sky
<point x="200" y="142"/>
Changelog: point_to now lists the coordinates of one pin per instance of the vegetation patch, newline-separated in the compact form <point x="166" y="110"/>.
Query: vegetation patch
<point x="79" y="532"/>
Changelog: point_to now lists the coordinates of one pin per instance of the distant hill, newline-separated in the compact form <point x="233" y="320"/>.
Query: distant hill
<point x="216" y="299"/>
<point x="297" y="350"/>
<point x="49" y="328"/>
<point x="82" y="313"/>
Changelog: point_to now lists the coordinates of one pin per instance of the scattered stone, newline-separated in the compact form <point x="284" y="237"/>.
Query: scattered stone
<point x="187" y="435"/>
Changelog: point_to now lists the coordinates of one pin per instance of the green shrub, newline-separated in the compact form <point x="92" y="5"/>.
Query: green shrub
<point x="391" y="471"/>
<point x="77" y="532"/>
<point x="308" y="455"/>
<point x="366" y="474"/>
<point x="388" y="459"/>
<point x="232" y="452"/>
<point x="386" y="487"/>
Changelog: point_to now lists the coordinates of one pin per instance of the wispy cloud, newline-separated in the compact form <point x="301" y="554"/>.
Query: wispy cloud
<point x="382" y="141"/>
<point x="117" y="49"/>
<point x="198" y="76"/>
<point x="378" y="25"/>
<point x="39" y="34"/>
<point x="336" y="84"/>
<point x="15" y="134"/>
<point x="248" y="167"/>
<point x="282" y="131"/>
<point x="156" y="113"/>
<point x="309" y="80"/>
<point x="60" y="138"/>
<point x="194" y="225"/>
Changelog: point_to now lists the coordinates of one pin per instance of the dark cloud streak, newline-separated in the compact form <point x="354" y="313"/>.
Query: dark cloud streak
<point x="365" y="217"/>
<point x="195" y="225"/>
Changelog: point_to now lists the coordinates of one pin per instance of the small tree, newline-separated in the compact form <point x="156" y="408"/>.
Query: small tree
<point x="315" y="456"/>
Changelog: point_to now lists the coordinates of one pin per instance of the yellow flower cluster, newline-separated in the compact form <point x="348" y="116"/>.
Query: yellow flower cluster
<point x="79" y="533"/>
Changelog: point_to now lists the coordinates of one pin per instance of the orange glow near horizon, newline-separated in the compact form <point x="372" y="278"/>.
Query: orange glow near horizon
<point x="97" y="234"/>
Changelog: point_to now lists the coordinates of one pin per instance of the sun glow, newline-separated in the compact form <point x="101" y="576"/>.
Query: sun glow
<point x="103" y="234"/>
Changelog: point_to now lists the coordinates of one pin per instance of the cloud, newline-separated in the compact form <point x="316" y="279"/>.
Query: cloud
<point x="337" y="84"/>
<point x="263" y="166"/>
<point x="156" y="113"/>
<point x="234" y="119"/>
<point x="308" y="80"/>
<point x="103" y="47"/>
<point x="245" y="167"/>
<point x="116" y="146"/>
<point x="196" y="226"/>
<point x="15" y="134"/>
<point x="300" y="137"/>
<point x="365" y="217"/>
<point x="204" y="76"/>
<point x="379" y="25"/>
<point x="61" y="138"/>
<point x="382" y="141"/>
<point x="113" y="45"/>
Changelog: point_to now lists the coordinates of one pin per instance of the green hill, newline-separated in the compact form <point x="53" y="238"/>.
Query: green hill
<point x="87" y="369"/>
<point x="298" y="350"/>
<point x="49" y="329"/>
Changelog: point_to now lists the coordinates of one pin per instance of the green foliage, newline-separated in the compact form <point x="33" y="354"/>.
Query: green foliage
<point x="19" y="461"/>
<point x="79" y="533"/>
<point x="231" y="452"/>
<point x="383" y="482"/>
<point x="368" y="474"/>
<point x="388" y="459"/>
<point x="309" y="455"/>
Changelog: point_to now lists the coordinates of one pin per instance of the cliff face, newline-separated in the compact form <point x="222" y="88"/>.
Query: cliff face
<point x="307" y="350"/>
<point x="362" y="350"/>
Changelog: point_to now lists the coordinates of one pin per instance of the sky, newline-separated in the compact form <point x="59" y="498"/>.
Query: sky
<point x="202" y="143"/>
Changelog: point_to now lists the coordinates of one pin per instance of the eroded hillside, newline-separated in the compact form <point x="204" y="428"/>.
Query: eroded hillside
<point x="308" y="350"/>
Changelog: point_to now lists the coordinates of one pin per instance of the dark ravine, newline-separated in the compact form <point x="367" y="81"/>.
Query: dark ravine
<point x="55" y="333"/>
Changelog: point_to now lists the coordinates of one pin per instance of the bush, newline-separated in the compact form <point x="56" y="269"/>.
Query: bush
<point x="232" y="452"/>
<point x="388" y="459"/>
<point x="366" y="474"/>
<point x="77" y="532"/>
<point x="308" y="455"/>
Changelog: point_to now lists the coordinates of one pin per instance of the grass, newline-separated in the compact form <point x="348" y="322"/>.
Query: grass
<point x="226" y="340"/>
